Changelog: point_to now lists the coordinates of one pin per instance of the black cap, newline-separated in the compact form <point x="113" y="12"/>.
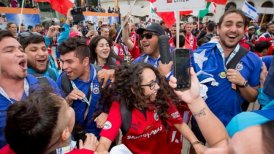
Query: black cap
<point x="153" y="27"/>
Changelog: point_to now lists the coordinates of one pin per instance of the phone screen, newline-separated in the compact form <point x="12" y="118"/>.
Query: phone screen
<point x="182" y="68"/>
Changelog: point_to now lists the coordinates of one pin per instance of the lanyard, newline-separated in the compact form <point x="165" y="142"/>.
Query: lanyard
<point x="26" y="91"/>
<point x="230" y="57"/>
<point x="155" y="63"/>
<point x="90" y="88"/>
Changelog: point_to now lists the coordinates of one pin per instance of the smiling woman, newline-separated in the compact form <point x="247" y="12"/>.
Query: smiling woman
<point x="151" y="103"/>
<point x="101" y="53"/>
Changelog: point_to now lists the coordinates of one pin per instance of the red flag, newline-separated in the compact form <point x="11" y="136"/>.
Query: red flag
<point x="222" y="2"/>
<point x="182" y="13"/>
<point x="167" y="17"/>
<point x="41" y="0"/>
<point x="60" y="6"/>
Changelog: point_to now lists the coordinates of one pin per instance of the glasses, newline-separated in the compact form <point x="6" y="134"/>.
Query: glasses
<point x="27" y="34"/>
<point x="152" y="84"/>
<point x="147" y="35"/>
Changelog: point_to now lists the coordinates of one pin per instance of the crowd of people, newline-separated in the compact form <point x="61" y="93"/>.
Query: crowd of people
<point x="103" y="81"/>
<point x="31" y="4"/>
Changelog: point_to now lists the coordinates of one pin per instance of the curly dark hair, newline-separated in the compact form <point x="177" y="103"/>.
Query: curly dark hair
<point x="128" y="78"/>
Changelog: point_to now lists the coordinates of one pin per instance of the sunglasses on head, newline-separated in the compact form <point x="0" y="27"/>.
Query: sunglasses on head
<point x="147" y="35"/>
<point x="25" y="35"/>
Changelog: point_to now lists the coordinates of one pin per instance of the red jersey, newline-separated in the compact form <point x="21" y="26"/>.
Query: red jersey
<point x="190" y="42"/>
<point x="171" y="42"/>
<point x="147" y="134"/>
<point x="6" y="150"/>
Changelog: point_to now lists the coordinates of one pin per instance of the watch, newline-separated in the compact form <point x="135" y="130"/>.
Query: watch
<point x="244" y="85"/>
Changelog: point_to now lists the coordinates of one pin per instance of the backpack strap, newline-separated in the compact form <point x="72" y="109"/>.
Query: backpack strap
<point x="126" y="117"/>
<point x="65" y="81"/>
<point x="236" y="59"/>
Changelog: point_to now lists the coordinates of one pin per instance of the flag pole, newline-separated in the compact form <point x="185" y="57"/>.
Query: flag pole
<point x="177" y="15"/>
<point x="123" y="25"/>
<point x="198" y="22"/>
<point x="20" y="16"/>
<point x="262" y="18"/>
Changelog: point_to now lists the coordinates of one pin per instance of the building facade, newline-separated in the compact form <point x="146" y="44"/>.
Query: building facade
<point x="140" y="7"/>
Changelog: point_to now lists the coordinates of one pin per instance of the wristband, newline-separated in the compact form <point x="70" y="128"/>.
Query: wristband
<point x="245" y="84"/>
<point x="168" y="76"/>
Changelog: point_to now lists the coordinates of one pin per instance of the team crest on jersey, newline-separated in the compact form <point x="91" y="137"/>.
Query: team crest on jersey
<point x="239" y="67"/>
<point x="156" y="117"/>
<point x="107" y="125"/>
<point x="96" y="89"/>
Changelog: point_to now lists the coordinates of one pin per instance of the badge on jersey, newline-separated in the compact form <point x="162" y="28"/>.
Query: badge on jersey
<point x="107" y="125"/>
<point x="156" y="117"/>
<point x="239" y="66"/>
<point x="222" y="75"/>
<point x="96" y="89"/>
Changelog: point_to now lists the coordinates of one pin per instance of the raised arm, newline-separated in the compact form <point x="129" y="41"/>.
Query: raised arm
<point x="211" y="127"/>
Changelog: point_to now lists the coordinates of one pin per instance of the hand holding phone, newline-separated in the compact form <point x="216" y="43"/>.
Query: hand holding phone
<point x="182" y="68"/>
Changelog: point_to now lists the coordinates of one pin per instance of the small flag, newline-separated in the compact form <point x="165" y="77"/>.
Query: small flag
<point x="211" y="7"/>
<point x="249" y="10"/>
<point x="221" y="2"/>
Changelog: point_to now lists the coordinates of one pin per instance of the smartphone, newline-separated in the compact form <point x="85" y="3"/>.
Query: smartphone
<point x="182" y="68"/>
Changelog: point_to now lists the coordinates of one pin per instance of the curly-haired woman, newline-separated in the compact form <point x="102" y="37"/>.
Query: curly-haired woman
<point x="152" y="103"/>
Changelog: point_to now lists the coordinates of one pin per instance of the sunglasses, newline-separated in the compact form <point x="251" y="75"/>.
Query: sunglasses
<point x="25" y="35"/>
<point x="147" y="35"/>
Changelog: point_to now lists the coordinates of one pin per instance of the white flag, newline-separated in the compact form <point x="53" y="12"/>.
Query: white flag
<point x="249" y="10"/>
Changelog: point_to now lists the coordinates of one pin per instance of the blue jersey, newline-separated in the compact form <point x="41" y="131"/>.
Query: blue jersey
<point x="145" y="58"/>
<point x="31" y="84"/>
<point x="209" y="64"/>
<point x="267" y="60"/>
<point x="91" y="89"/>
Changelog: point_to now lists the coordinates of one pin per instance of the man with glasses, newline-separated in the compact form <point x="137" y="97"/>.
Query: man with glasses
<point x="149" y="37"/>
<point x="37" y="54"/>
<point x="15" y="83"/>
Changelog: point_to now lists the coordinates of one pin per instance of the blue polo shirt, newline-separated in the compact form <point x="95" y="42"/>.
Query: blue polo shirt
<point x="79" y="106"/>
<point x="145" y="58"/>
<point x="224" y="101"/>
<point x="33" y="84"/>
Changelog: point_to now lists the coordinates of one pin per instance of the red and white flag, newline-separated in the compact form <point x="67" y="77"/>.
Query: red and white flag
<point x="166" y="8"/>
